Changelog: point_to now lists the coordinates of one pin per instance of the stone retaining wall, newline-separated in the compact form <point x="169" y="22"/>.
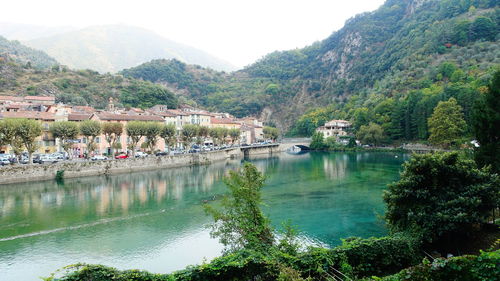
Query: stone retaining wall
<point x="74" y="169"/>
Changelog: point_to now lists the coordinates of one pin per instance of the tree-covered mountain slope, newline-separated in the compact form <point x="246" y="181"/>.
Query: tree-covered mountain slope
<point x="82" y="87"/>
<point x="111" y="48"/>
<point x="25" y="55"/>
<point x="398" y="60"/>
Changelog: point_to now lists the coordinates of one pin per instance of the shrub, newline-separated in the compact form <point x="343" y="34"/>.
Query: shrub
<point x="485" y="266"/>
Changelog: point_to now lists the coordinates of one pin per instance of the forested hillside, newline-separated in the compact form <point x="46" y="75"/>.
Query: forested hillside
<point x="391" y="66"/>
<point x="25" y="55"/>
<point x="82" y="87"/>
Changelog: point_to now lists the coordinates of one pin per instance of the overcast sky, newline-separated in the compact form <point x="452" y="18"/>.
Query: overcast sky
<point x="237" y="31"/>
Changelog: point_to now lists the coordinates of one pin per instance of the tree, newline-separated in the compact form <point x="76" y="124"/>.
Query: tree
<point x="446" y="124"/>
<point x="486" y="124"/>
<point x="64" y="131"/>
<point x="241" y="224"/>
<point x="112" y="132"/>
<point x="27" y="131"/>
<point x="169" y="134"/>
<point x="189" y="132"/>
<point x="90" y="129"/>
<point x="151" y="131"/>
<point x="483" y="28"/>
<point x="317" y="141"/>
<point x="234" y="134"/>
<point x="7" y="131"/>
<point x="271" y="133"/>
<point x="135" y="130"/>
<point x="440" y="196"/>
<point x="371" y="134"/>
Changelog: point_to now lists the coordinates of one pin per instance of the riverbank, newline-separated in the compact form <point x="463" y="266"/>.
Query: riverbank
<point x="75" y="169"/>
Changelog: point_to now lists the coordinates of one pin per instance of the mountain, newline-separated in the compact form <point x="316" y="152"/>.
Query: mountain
<point x="111" y="48"/>
<point x="76" y="87"/>
<point x="25" y="55"/>
<point x="390" y="66"/>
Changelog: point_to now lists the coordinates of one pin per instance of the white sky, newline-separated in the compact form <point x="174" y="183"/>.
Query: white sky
<point x="235" y="30"/>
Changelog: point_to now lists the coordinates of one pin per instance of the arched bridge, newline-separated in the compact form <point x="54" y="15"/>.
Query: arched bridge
<point x="289" y="143"/>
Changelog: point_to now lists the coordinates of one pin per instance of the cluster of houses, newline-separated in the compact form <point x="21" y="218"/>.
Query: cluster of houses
<point x="47" y="111"/>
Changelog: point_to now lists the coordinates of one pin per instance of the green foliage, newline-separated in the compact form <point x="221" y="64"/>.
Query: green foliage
<point x="26" y="131"/>
<point x="485" y="266"/>
<point x="145" y="94"/>
<point x="64" y="130"/>
<point x="90" y="129"/>
<point x="188" y="133"/>
<point x="112" y="132"/>
<point x="371" y="134"/>
<point x="486" y="125"/>
<point x="7" y="131"/>
<point x="241" y="224"/>
<point x="317" y="142"/>
<point x="59" y="176"/>
<point x="25" y="55"/>
<point x="151" y="131"/>
<point x="135" y="130"/>
<point x="441" y="196"/>
<point x="271" y="133"/>
<point x="446" y="124"/>
<point x="169" y="134"/>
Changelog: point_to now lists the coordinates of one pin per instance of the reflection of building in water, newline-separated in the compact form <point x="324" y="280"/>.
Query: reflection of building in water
<point x="335" y="167"/>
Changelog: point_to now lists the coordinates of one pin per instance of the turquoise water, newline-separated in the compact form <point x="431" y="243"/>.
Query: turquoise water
<point x="155" y="221"/>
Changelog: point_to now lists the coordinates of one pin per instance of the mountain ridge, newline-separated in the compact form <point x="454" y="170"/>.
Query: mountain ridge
<point x="111" y="48"/>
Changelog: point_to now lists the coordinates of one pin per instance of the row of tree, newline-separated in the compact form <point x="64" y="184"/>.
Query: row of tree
<point x="21" y="134"/>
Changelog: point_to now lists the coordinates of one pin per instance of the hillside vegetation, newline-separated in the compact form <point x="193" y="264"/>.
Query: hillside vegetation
<point x="111" y="48"/>
<point x="82" y="87"/>
<point x="25" y="55"/>
<point x="391" y="66"/>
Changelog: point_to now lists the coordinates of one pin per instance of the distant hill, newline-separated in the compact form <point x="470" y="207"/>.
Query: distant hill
<point x="111" y="48"/>
<point x="25" y="55"/>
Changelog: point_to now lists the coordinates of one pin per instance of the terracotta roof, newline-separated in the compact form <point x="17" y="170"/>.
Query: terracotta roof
<point x="30" y="115"/>
<point x="82" y="108"/>
<point x="40" y="98"/>
<point x="127" y="117"/>
<point x="214" y="120"/>
<point x="11" y="98"/>
<point x="164" y="114"/>
<point x="78" y="116"/>
<point x="177" y="112"/>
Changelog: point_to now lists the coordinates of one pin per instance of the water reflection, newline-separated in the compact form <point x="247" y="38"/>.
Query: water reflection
<point x="155" y="220"/>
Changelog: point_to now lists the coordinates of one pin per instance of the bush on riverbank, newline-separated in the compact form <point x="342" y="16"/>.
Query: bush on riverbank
<point x="356" y="257"/>
<point x="485" y="266"/>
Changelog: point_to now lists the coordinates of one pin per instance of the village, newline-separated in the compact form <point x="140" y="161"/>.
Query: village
<point x="45" y="110"/>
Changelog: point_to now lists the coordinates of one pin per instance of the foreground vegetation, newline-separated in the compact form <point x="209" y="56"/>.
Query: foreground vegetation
<point x="441" y="203"/>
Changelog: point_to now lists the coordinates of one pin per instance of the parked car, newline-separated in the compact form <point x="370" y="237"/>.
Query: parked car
<point x="161" y="153"/>
<point x="48" y="158"/>
<point x="121" y="156"/>
<point x="140" y="154"/>
<point x="98" y="157"/>
<point x="36" y="159"/>
<point x="4" y="159"/>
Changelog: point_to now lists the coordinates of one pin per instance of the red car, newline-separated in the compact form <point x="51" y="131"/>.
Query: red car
<point x="121" y="156"/>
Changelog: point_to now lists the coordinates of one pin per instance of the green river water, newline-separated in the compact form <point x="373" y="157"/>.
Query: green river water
<point x="155" y="220"/>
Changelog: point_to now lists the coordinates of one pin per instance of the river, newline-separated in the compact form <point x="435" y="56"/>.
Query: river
<point x="155" y="220"/>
